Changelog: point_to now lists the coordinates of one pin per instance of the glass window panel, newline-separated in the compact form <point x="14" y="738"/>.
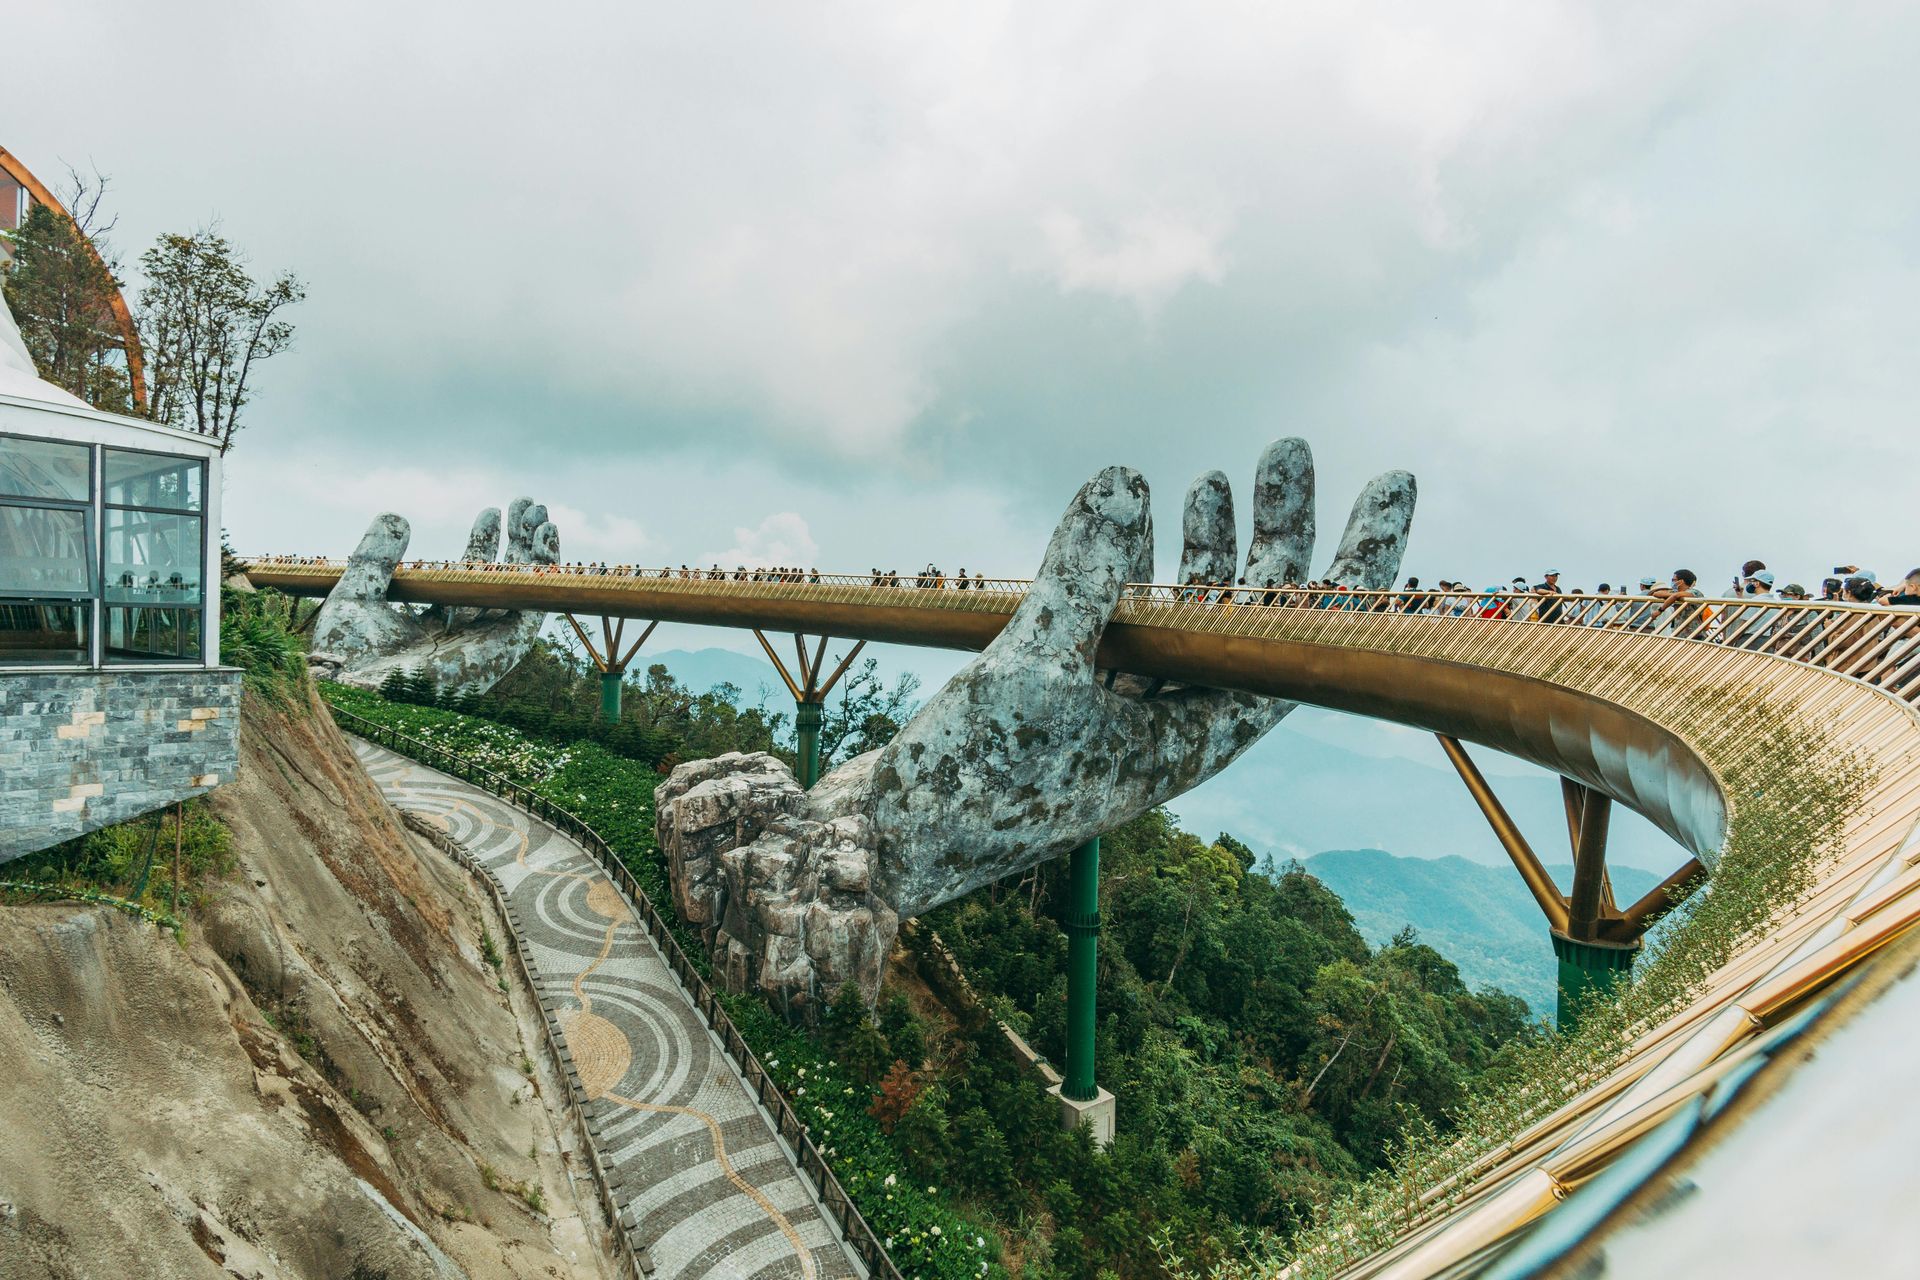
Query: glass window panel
<point x="152" y="558"/>
<point x="46" y="469"/>
<point x="152" y="480"/>
<point x="34" y="632"/>
<point x="46" y="551"/>
<point x="142" y="634"/>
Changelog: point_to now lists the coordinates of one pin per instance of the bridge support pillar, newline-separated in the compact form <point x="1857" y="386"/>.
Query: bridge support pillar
<point x="609" y="659"/>
<point x="1588" y="971"/>
<point x="809" y="692"/>
<point x="806" y="718"/>
<point x="1081" y="1100"/>
<point x="1594" y="940"/>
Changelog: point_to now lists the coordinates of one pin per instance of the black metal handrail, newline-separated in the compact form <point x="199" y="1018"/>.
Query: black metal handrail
<point x="840" y="1207"/>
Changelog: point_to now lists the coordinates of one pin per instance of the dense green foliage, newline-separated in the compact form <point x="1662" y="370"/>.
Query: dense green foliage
<point x="62" y="297"/>
<point x="256" y="635"/>
<point x="1264" y="1055"/>
<point x="554" y="696"/>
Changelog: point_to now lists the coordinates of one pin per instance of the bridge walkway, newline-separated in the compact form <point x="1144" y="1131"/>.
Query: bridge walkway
<point x="709" y="1189"/>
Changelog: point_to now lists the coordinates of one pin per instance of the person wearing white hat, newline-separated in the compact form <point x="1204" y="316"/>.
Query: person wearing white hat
<point x="1551" y="607"/>
<point x="1752" y="628"/>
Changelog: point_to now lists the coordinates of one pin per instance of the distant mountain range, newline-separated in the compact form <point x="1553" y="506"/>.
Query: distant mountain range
<point x="1481" y="918"/>
<point x="702" y="669"/>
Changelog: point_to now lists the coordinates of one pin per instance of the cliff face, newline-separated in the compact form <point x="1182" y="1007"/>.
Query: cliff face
<point x="325" y="1080"/>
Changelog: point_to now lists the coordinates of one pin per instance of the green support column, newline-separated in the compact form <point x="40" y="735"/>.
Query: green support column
<point x="610" y="695"/>
<point x="1587" y="970"/>
<point x="807" y="717"/>
<point x="1083" y="938"/>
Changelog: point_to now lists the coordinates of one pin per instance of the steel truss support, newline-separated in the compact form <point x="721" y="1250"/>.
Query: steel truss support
<point x="609" y="657"/>
<point x="809" y="695"/>
<point x="1594" y="941"/>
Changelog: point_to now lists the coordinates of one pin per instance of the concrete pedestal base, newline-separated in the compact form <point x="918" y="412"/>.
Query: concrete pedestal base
<point x="1098" y="1113"/>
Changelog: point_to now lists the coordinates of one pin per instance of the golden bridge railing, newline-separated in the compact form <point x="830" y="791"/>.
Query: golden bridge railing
<point x="1877" y="645"/>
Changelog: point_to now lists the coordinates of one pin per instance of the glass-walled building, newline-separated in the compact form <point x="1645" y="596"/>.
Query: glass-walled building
<point x="113" y="702"/>
<point x="105" y="550"/>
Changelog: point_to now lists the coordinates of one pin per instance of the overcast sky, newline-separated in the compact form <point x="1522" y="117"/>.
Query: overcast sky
<point x="1627" y="285"/>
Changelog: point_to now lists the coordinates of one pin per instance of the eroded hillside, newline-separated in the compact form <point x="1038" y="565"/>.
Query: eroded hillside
<point x="326" y="1079"/>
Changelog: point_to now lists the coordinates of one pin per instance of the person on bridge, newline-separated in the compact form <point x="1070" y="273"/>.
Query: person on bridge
<point x="1551" y="608"/>
<point x="1753" y="628"/>
<point x="1691" y="614"/>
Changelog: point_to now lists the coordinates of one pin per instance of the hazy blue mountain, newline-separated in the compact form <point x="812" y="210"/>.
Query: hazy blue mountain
<point x="1481" y="918"/>
<point x="701" y="669"/>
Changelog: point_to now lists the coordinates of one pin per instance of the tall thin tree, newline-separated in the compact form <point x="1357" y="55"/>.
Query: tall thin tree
<point x="205" y="323"/>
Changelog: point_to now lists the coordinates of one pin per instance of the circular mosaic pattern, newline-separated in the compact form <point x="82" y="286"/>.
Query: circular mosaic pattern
<point x="600" y="1052"/>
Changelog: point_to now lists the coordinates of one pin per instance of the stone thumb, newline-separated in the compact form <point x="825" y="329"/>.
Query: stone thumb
<point x="370" y="569"/>
<point x="1093" y="551"/>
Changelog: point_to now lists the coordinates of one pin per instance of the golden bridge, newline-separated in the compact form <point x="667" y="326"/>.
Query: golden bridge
<point x="1717" y="720"/>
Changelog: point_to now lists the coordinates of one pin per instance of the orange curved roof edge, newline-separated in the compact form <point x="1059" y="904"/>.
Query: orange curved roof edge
<point x="136" y="365"/>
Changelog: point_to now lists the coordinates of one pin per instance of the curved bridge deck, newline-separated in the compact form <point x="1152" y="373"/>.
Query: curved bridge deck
<point x="1698" y="722"/>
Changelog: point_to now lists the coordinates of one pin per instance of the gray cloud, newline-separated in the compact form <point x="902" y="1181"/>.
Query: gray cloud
<point x="1622" y="281"/>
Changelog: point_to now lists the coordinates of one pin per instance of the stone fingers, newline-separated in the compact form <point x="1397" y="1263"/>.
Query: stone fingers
<point x="524" y="518"/>
<point x="546" y="541"/>
<point x="1376" y="536"/>
<point x="355" y="621"/>
<point x="1283" y="517"/>
<point x="1207" y="534"/>
<point x="483" y="542"/>
<point x="370" y="568"/>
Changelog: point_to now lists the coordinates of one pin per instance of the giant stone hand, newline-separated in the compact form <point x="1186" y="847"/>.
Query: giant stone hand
<point x="1026" y="753"/>
<point x="360" y="638"/>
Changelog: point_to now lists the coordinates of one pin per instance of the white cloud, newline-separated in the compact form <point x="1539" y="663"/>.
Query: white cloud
<point x="908" y="246"/>
<point x="612" y="538"/>
<point x="1145" y="261"/>
<point x="781" y="539"/>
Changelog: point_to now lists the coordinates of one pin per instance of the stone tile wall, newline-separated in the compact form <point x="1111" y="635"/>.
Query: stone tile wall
<point x="82" y="750"/>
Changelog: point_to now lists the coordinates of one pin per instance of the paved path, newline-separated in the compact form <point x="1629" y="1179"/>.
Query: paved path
<point x="712" y="1192"/>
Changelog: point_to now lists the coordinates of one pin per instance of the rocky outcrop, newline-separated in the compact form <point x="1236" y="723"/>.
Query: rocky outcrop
<point x="785" y="901"/>
<point x="1026" y="753"/>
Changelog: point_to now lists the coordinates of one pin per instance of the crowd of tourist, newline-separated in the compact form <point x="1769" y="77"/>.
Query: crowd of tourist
<point x="1755" y="613"/>
<point x="1547" y="600"/>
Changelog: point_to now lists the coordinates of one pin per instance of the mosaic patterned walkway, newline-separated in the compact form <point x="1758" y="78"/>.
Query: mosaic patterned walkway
<point x="696" y="1167"/>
